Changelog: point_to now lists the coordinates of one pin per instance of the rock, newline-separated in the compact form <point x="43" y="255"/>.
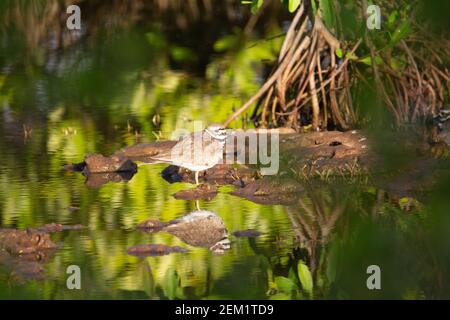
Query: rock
<point x="249" y="233"/>
<point x="97" y="163"/>
<point x="73" y="208"/>
<point x="28" y="270"/>
<point x="51" y="227"/>
<point x="25" y="252"/>
<point x="145" y="250"/>
<point x="75" y="167"/>
<point x="57" y="227"/>
<point x="27" y="241"/>
<point x="270" y="191"/>
<point x="144" y="151"/>
<point x="219" y="174"/>
<point x="97" y="180"/>
<point x="25" y="267"/>
<point x="204" y="191"/>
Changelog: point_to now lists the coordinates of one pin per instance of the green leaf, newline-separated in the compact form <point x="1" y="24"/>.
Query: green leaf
<point x="314" y="7"/>
<point x="404" y="202"/>
<point x="351" y="56"/>
<point x="397" y="64"/>
<point x="293" y="5"/>
<point x="328" y="13"/>
<point x="224" y="43"/>
<point x="280" y="296"/>
<point x="305" y="277"/>
<point x="246" y="2"/>
<point x="179" y="293"/>
<point x="293" y="276"/>
<point x="256" y="4"/>
<point x="392" y="18"/>
<point x="339" y="53"/>
<point x="368" y="60"/>
<point x="285" y="285"/>
<point x="155" y="40"/>
<point x="400" y="33"/>
<point x="182" y="54"/>
<point x="170" y="283"/>
<point x="332" y="263"/>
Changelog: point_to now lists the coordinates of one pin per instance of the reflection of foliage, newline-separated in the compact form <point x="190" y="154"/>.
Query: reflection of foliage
<point x="299" y="284"/>
<point x="368" y="230"/>
<point x="93" y="118"/>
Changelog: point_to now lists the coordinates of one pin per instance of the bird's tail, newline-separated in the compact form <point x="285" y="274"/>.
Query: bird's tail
<point x="148" y="161"/>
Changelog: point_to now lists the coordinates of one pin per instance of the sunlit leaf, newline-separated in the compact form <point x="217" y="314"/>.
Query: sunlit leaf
<point x="225" y="43"/>
<point x="351" y="56"/>
<point x="368" y="60"/>
<point x="155" y="40"/>
<point x="256" y="4"/>
<point x="293" y="5"/>
<point x="401" y="32"/>
<point x="339" y="53"/>
<point x="182" y="54"/>
<point x="293" y="276"/>
<point x="305" y="277"/>
<point x="372" y="190"/>
<point x="285" y="285"/>
<point x="392" y="18"/>
<point x="180" y="293"/>
<point x="170" y="283"/>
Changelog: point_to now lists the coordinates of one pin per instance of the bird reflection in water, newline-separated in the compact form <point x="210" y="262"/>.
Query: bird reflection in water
<point x="200" y="228"/>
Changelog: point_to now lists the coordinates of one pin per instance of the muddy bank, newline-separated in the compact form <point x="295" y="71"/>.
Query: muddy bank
<point x="270" y="191"/>
<point x="220" y="174"/>
<point x="302" y="156"/>
<point x="306" y="152"/>
<point x="314" y="153"/>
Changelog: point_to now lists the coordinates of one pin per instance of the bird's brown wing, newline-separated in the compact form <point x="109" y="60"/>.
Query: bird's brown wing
<point x="167" y="156"/>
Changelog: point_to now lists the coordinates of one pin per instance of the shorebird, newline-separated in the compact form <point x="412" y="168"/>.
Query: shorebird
<point x="198" y="151"/>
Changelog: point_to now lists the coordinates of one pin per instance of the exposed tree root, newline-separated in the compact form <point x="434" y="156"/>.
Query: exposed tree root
<point x="310" y="86"/>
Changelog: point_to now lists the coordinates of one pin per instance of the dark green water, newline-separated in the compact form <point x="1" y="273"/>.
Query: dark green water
<point x="99" y="96"/>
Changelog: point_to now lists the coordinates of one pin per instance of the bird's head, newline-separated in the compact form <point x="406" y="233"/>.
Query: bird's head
<point x="216" y="131"/>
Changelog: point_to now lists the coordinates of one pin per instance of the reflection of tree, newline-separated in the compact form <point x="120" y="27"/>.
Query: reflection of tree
<point x="41" y="21"/>
<point x="313" y="220"/>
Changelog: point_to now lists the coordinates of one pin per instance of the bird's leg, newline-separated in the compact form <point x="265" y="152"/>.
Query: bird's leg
<point x="196" y="177"/>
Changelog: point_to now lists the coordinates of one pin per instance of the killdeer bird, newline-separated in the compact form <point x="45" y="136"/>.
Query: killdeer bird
<point x="198" y="151"/>
<point x="200" y="228"/>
